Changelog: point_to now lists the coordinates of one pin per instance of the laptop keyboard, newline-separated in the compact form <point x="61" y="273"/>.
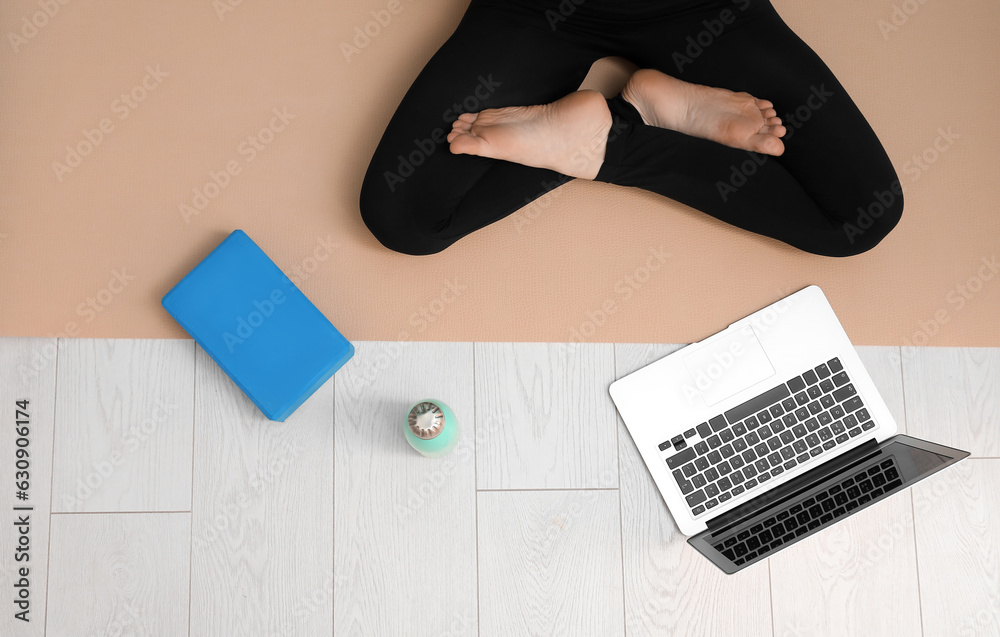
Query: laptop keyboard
<point x="820" y="509"/>
<point x="788" y="425"/>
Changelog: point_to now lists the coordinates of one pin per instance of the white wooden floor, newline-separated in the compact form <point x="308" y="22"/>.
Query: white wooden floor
<point x="165" y="504"/>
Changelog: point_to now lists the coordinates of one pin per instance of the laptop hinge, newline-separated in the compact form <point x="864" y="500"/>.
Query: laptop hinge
<point x="792" y="488"/>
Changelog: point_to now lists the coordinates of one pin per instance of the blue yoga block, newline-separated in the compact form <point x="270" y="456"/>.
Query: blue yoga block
<point x="261" y="330"/>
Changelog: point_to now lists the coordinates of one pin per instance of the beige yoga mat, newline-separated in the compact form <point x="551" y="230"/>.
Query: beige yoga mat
<point x="134" y="136"/>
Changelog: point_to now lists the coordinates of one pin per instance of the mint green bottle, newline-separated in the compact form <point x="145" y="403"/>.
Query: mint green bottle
<point x="431" y="428"/>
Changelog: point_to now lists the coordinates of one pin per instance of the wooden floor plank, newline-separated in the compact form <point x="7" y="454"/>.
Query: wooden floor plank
<point x="262" y="515"/>
<point x="119" y="574"/>
<point x="953" y="397"/>
<point x="957" y="516"/>
<point x="123" y="425"/>
<point x="546" y="420"/>
<point x="550" y="563"/>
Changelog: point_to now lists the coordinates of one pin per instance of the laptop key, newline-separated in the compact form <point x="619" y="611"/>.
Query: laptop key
<point x="762" y="465"/>
<point x="740" y="549"/>
<point x="704" y="430"/>
<point x="810" y="377"/>
<point x="825" y="433"/>
<point x="835" y="365"/>
<point x="822" y="370"/>
<point x="814" y="391"/>
<point x="727" y="435"/>
<point x="763" y="477"/>
<point x="726" y="451"/>
<point x="739" y="429"/>
<point x="837" y="412"/>
<point x="815" y="451"/>
<point x="802" y="414"/>
<point x="753" y="543"/>
<point x="891" y="473"/>
<point x="736" y="477"/>
<point x="844" y="393"/>
<point x="736" y="461"/>
<point x="740" y="445"/>
<point x="699" y="481"/>
<point x="773" y="443"/>
<point x="752" y="438"/>
<point x="841" y="439"/>
<point x="801" y="398"/>
<point x="681" y="458"/>
<point x="787" y="453"/>
<point x="714" y="457"/>
<point x="796" y="384"/>
<point x="711" y="474"/>
<point x="789" y="404"/>
<point x="788" y="465"/>
<point x="829" y="444"/>
<point x="711" y="503"/>
<point x="701" y="462"/>
<point x="824" y="419"/>
<point x="802" y="458"/>
<point x="749" y="471"/>
<point x="701" y="448"/>
<point x="714" y="442"/>
<point x="826" y="400"/>
<point x="869" y="424"/>
<point x="777" y="471"/>
<point x="724" y="468"/>
<point x="862" y="415"/>
<point x="686" y="487"/>
<point x="814" y="407"/>
<point x="724" y="497"/>
<point x="763" y="417"/>
<point x="689" y="469"/>
<point x="698" y="510"/>
<point x="761" y="450"/>
<point x="787" y="437"/>
<point x="852" y="404"/>
<point x="776" y="410"/>
<point x="854" y="432"/>
<point x="725" y="484"/>
<point x="718" y="423"/>
<point x="696" y="498"/>
<point x="813" y="440"/>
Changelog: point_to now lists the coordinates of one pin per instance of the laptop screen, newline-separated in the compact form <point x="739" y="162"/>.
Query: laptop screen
<point x="820" y="498"/>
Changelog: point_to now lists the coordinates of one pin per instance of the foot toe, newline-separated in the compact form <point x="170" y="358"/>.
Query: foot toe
<point x="767" y="144"/>
<point x="465" y="144"/>
<point x="768" y="113"/>
<point x="763" y="104"/>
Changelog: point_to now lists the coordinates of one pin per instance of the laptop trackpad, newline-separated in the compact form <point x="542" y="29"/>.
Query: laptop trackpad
<point x="727" y="366"/>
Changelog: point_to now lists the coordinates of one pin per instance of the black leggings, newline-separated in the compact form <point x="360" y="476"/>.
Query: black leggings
<point x="833" y="192"/>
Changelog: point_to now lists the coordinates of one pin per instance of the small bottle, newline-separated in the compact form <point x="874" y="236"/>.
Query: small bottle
<point x="431" y="428"/>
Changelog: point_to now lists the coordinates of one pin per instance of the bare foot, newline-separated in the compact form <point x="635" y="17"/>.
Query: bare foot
<point x="738" y="120"/>
<point x="568" y="136"/>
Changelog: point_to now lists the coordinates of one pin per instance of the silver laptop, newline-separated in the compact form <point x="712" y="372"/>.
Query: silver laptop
<point x="768" y="432"/>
